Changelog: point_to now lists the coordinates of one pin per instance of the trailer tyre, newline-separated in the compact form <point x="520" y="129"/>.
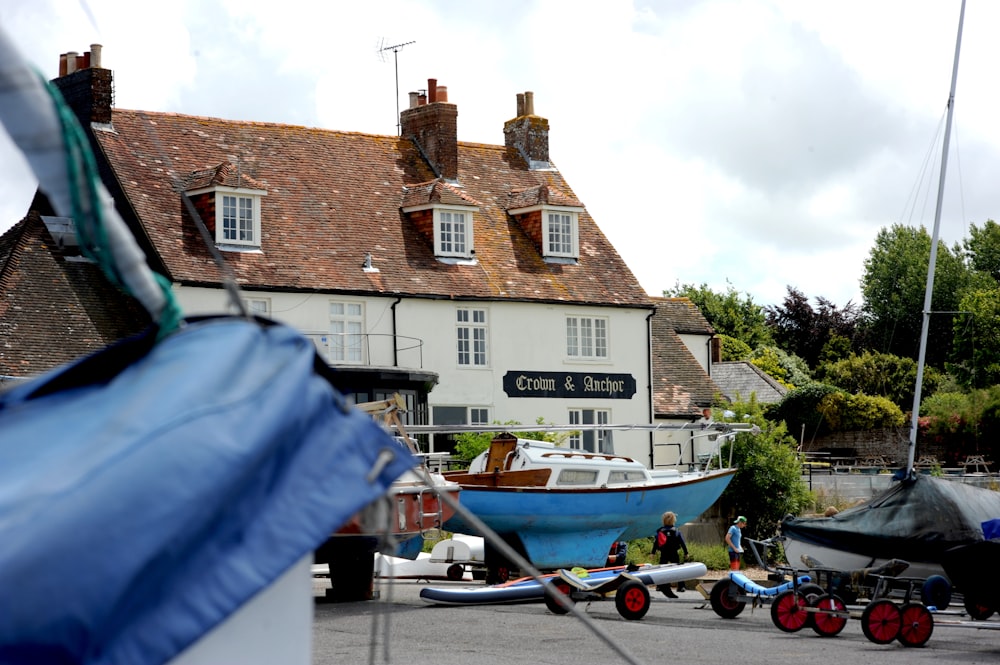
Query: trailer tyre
<point x="723" y="604"/>
<point x="936" y="592"/>
<point x="632" y="600"/>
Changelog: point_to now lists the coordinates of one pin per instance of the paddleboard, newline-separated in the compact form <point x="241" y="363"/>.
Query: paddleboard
<point x="528" y="589"/>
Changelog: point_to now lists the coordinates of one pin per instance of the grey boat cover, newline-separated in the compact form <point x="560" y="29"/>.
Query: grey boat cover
<point x="915" y="519"/>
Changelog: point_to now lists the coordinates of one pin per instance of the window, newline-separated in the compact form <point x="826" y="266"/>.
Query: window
<point x="455" y="415"/>
<point x="576" y="477"/>
<point x="586" y="338"/>
<point x="258" y="306"/>
<point x="346" y="331"/>
<point x="471" y="333"/>
<point x="591" y="440"/>
<point x="560" y="234"/>
<point x="452" y="233"/>
<point x="237" y="223"/>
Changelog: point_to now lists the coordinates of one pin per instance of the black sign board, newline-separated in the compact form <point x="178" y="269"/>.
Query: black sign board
<point x="568" y="384"/>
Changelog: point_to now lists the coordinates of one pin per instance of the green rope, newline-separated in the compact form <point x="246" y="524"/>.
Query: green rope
<point x="87" y="212"/>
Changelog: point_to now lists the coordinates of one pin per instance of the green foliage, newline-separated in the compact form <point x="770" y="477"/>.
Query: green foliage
<point x="982" y="249"/>
<point x="893" y="285"/>
<point x="787" y="369"/>
<point x="800" y="407"/>
<point x="733" y="349"/>
<point x="847" y="412"/>
<point x="730" y="313"/>
<point x="882" y="374"/>
<point x="836" y="348"/>
<point x="976" y="353"/>
<point x="714" y="556"/>
<point x="768" y="484"/>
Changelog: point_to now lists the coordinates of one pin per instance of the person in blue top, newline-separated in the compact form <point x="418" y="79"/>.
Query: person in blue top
<point x="733" y="538"/>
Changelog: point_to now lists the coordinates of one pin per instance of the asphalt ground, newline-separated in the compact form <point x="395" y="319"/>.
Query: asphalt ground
<point x="399" y="627"/>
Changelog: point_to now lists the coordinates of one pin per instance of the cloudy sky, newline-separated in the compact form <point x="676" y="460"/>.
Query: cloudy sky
<point x="752" y="143"/>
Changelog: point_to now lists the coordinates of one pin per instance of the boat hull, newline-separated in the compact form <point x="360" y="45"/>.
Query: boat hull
<point x="575" y="527"/>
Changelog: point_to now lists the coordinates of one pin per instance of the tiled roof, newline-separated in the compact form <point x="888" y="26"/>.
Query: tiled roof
<point x="55" y="309"/>
<point x="540" y="195"/>
<point x="436" y="191"/>
<point x="739" y="379"/>
<point x="333" y="197"/>
<point x="685" y="316"/>
<point x="225" y="174"/>
<point x="681" y="388"/>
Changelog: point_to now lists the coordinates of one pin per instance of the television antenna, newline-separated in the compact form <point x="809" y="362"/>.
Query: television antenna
<point x="395" y="48"/>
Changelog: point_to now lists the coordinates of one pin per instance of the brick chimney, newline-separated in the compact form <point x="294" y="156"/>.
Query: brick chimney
<point x="432" y="124"/>
<point x="528" y="133"/>
<point x="86" y="86"/>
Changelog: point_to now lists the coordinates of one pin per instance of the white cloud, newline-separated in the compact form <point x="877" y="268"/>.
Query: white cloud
<point x="757" y="143"/>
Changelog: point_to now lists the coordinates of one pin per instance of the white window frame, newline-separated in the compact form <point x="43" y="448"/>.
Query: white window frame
<point x="453" y="232"/>
<point x="258" y="306"/>
<point x="472" y="337"/>
<point x="347" y="332"/>
<point x="588" y="338"/>
<point x="591" y="440"/>
<point x="479" y="415"/>
<point x="247" y="235"/>
<point x="561" y="233"/>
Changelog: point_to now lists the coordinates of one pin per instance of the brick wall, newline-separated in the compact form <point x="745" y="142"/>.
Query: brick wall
<point x="434" y="128"/>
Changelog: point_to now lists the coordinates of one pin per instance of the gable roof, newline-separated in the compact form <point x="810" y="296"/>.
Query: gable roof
<point x="334" y="196"/>
<point x="55" y="307"/>
<point x="739" y="379"/>
<point x="681" y="387"/>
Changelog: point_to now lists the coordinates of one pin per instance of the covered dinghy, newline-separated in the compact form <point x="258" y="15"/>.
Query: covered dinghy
<point x="149" y="491"/>
<point x="916" y="520"/>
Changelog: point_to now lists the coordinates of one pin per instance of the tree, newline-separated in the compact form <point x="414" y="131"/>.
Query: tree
<point x="982" y="249"/>
<point x="884" y="374"/>
<point x="976" y="351"/>
<point x="804" y="331"/>
<point x="893" y="285"/>
<point x="730" y="313"/>
<point x="786" y="368"/>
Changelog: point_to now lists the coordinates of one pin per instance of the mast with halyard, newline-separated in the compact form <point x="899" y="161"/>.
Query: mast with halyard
<point x="929" y="290"/>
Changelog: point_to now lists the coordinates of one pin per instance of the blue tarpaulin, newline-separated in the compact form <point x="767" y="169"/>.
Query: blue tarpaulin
<point x="147" y="492"/>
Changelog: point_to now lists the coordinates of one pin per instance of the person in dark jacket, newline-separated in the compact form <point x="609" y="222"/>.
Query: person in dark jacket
<point x="668" y="541"/>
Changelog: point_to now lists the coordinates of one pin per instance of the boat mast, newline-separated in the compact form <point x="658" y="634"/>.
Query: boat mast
<point x="929" y="290"/>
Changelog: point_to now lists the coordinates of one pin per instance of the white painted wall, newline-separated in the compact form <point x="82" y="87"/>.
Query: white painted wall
<point x="521" y="336"/>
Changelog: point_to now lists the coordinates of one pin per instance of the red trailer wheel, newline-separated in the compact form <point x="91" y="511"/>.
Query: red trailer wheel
<point x="881" y="621"/>
<point x="632" y="600"/>
<point x="825" y="622"/>
<point x="788" y="611"/>
<point x="916" y="625"/>
<point x="554" y="605"/>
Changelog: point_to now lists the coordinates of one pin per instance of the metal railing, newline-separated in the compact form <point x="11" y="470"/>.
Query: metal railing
<point x="369" y="349"/>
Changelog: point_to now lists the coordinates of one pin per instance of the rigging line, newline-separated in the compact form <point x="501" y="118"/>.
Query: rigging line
<point x="913" y="196"/>
<point x="225" y="270"/>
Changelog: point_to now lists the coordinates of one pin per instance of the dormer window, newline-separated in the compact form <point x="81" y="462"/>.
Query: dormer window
<point x="229" y="202"/>
<point x="452" y="233"/>
<point x="551" y="219"/>
<point x="560" y="233"/>
<point x="238" y="218"/>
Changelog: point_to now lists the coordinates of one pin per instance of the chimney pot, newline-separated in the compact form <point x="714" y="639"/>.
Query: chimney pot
<point x="529" y="103"/>
<point x="62" y="64"/>
<point x="520" y="105"/>
<point x="95" y="55"/>
<point x="414" y="100"/>
<point x="442" y="93"/>
<point x="71" y="61"/>
<point x="432" y="89"/>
